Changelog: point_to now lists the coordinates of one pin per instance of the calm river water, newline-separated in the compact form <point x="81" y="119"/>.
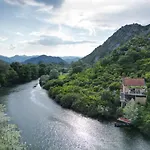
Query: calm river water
<point x="45" y="125"/>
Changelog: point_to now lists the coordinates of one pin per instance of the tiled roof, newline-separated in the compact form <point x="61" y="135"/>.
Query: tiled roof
<point x="134" y="82"/>
<point x="124" y="120"/>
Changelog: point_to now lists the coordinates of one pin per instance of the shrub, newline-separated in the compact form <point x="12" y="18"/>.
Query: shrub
<point x="68" y="99"/>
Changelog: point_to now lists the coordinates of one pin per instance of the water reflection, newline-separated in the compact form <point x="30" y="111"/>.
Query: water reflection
<point x="46" y="126"/>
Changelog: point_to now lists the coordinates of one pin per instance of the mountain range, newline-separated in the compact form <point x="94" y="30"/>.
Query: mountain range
<point x="16" y="58"/>
<point x="119" y="38"/>
<point x="36" y="59"/>
<point x="45" y="59"/>
<point x="70" y="59"/>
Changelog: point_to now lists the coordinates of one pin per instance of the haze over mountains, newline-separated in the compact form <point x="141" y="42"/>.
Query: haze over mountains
<point x="45" y="59"/>
<point x="119" y="38"/>
<point x="36" y="59"/>
<point x="15" y="58"/>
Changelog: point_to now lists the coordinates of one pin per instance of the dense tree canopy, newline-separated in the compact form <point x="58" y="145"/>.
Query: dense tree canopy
<point x="16" y="73"/>
<point x="95" y="91"/>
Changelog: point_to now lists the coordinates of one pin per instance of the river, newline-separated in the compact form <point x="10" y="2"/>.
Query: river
<point x="44" y="125"/>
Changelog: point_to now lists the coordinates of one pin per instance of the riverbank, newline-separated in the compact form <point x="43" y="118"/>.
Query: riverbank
<point x="9" y="135"/>
<point x="104" y="107"/>
<point x="45" y="125"/>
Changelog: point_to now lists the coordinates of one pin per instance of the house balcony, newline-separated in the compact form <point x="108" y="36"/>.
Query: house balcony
<point x="136" y="93"/>
<point x="125" y="97"/>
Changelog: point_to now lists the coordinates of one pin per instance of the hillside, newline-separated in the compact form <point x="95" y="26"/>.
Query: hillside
<point x="70" y="59"/>
<point x="5" y="59"/>
<point x="16" y="58"/>
<point x="120" y="37"/>
<point x="95" y="91"/>
<point x="45" y="59"/>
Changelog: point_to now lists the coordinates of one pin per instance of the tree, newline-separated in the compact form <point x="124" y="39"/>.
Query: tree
<point x="131" y="111"/>
<point x="34" y="71"/>
<point x="42" y="69"/>
<point x="44" y="79"/>
<point x="12" y="76"/>
<point x="16" y="66"/>
<point x="25" y="73"/>
<point x="77" y="67"/>
<point x="53" y="74"/>
<point x="3" y="67"/>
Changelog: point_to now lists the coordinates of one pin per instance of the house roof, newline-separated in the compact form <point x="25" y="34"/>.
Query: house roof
<point x="134" y="82"/>
<point x="125" y="120"/>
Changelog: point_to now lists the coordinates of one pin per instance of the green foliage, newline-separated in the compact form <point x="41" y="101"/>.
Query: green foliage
<point x="95" y="91"/>
<point x="16" y="73"/>
<point x="77" y="67"/>
<point x="131" y="111"/>
<point x="9" y="136"/>
<point x="12" y="76"/>
<point x="44" y="79"/>
<point x="53" y="74"/>
<point x="3" y="67"/>
<point x="68" y="100"/>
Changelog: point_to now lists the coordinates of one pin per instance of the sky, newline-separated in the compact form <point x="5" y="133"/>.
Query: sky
<point x="64" y="27"/>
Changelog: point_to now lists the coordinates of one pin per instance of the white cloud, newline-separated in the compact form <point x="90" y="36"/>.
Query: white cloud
<point x="70" y="20"/>
<point x="25" y="2"/>
<point x="48" y="32"/>
<point x="3" y="39"/>
<point x="79" y="13"/>
<point x="94" y="15"/>
<point x="19" y="34"/>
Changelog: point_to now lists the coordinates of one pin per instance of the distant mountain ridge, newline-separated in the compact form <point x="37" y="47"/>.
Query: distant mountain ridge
<point x="119" y="38"/>
<point x="5" y="59"/>
<point x="16" y="58"/>
<point x="45" y="59"/>
<point x="34" y="59"/>
<point x="21" y="58"/>
<point x="70" y="59"/>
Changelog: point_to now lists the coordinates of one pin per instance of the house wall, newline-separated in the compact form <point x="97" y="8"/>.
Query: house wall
<point x="125" y="89"/>
<point x="141" y="100"/>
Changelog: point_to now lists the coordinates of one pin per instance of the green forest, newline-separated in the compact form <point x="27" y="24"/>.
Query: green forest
<point x="17" y="73"/>
<point x="10" y="75"/>
<point x="94" y="90"/>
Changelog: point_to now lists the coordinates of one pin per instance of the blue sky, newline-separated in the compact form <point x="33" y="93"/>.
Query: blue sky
<point x="64" y="27"/>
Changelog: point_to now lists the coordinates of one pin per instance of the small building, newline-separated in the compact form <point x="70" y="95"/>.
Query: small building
<point x="123" y="122"/>
<point x="133" y="88"/>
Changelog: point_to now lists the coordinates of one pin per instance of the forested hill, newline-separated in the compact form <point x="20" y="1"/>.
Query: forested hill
<point x="120" y="37"/>
<point x="17" y="73"/>
<point x="45" y="59"/>
<point x="95" y="91"/>
<point x="15" y="58"/>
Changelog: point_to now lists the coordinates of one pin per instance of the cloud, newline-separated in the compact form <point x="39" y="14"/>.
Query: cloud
<point x="99" y="14"/>
<point x="66" y="25"/>
<point x="54" y="3"/>
<point x="25" y="2"/>
<point x="37" y="3"/>
<point x="3" y="39"/>
<point x="54" y="41"/>
<point x="19" y="34"/>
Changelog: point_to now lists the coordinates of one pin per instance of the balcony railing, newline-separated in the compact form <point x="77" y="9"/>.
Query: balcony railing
<point x="136" y="93"/>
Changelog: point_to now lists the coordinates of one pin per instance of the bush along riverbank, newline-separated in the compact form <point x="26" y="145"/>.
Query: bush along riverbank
<point x="95" y="91"/>
<point x="17" y="73"/>
<point x="9" y="135"/>
<point x="12" y="74"/>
